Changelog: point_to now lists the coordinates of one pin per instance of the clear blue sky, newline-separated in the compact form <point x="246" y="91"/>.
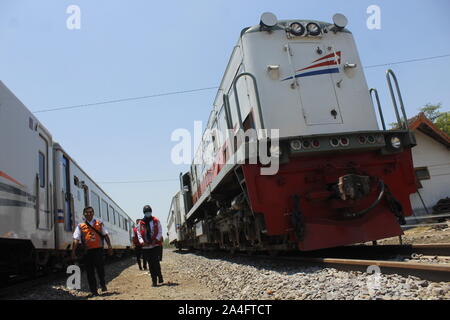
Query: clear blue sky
<point x="138" y="48"/>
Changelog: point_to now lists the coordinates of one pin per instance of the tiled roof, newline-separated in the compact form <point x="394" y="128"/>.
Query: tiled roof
<point x="422" y="123"/>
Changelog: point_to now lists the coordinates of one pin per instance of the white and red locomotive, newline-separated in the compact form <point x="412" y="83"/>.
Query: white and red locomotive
<point x="341" y="180"/>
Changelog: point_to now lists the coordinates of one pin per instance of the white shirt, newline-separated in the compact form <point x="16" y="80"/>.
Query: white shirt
<point x="158" y="236"/>
<point x="77" y="233"/>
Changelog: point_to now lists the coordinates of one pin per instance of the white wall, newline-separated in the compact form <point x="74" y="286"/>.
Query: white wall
<point x="436" y="157"/>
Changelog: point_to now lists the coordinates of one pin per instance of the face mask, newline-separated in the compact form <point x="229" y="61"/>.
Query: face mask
<point x="148" y="214"/>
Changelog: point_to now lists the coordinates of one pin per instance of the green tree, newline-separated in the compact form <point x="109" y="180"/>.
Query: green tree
<point x="443" y="122"/>
<point x="440" y="119"/>
<point x="432" y="111"/>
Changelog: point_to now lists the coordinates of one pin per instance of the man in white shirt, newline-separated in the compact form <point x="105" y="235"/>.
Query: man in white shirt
<point x="91" y="234"/>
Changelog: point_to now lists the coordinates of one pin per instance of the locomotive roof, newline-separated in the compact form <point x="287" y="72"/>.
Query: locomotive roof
<point x="282" y="24"/>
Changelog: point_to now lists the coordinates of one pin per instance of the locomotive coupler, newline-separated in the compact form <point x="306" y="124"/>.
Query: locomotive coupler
<point x="353" y="187"/>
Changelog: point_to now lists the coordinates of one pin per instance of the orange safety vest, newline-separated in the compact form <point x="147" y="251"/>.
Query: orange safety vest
<point x="90" y="238"/>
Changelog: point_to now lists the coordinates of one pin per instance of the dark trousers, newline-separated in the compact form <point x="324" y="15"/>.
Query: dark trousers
<point x="139" y="256"/>
<point x="93" y="260"/>
<point x="153" y="256"/>
<point x="160" y="253"/>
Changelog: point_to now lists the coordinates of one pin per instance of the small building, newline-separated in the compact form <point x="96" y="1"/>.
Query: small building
<point x="431" y="158"/>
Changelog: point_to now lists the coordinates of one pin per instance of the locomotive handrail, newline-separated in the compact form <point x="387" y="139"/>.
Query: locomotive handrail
<point x="389" y="74"/>
<point x="258" y="102"/>
<point x="379" y="106"/>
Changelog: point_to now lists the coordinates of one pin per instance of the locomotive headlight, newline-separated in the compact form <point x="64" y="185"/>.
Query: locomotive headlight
<point x="396" y="142"/>
<point x="296" y="145"/>
<point x="334" y="142"/>
<point x="340" y="20"/>
<point x="313" y="29"/>
<point x="268" y="20"/>
<point x="297" y="29"/>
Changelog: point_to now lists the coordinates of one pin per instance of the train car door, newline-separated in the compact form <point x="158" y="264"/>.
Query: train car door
<point x="68" y="219"/>
<point x="313" y="66"/>
<point x="42" y="181"/>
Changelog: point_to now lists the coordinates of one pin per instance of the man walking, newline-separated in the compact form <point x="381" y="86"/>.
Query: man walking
<point x="91" y="234"/>
<point x="150" y="236"/>
<point x="138" y="247"/>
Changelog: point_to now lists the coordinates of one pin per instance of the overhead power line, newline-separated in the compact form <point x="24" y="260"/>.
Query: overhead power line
<point x="207" y="88"/>
<point x="123" y="100"/>
<point x="138" y="181"/>
<point x="407" y="61"/>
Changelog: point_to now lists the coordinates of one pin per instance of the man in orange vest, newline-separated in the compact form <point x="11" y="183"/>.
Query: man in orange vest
<point x="150" y="236"/>
<point x="138" y="247"/>
<point x="91" y="234"/>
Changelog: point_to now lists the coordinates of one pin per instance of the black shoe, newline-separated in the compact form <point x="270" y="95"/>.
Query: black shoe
<point x="154" y="284"/>
<point x="160" y="279"/>
<point x="93" y="294"/>
<point x="104" y="289"/>
<point x="140" y="268"/>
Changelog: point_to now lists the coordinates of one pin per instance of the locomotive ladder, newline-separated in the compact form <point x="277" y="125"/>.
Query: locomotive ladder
<point x="401" y="123"/>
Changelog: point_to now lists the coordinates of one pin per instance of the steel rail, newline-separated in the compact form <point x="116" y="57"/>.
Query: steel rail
<point x="441" y="267"/>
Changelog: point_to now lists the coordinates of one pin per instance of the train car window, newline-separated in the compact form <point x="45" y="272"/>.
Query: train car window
<point x="41" y="170"/>
<point x="76" y="181"/>
<point x="110" y="213"/>
<point x="95" y="203"/>
<point x="105" y="213"/>
<point x="113" y="213"/>
<point x="119" y="217"/>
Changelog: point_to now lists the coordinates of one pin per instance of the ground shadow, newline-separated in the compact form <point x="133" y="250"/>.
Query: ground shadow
<point x="56" y="288"/>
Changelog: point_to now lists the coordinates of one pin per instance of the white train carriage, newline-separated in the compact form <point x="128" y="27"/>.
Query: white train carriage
<point x="75" y="190"/>
<point x="43" y="193"/>
<point x="176" y="219"/>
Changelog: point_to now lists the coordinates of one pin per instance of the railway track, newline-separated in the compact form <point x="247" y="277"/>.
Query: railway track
<point x="397" y="259"/>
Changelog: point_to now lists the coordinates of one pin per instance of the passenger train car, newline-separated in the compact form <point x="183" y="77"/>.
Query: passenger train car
<point x="299" y="86"/>
<point x="42" y="195"/>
